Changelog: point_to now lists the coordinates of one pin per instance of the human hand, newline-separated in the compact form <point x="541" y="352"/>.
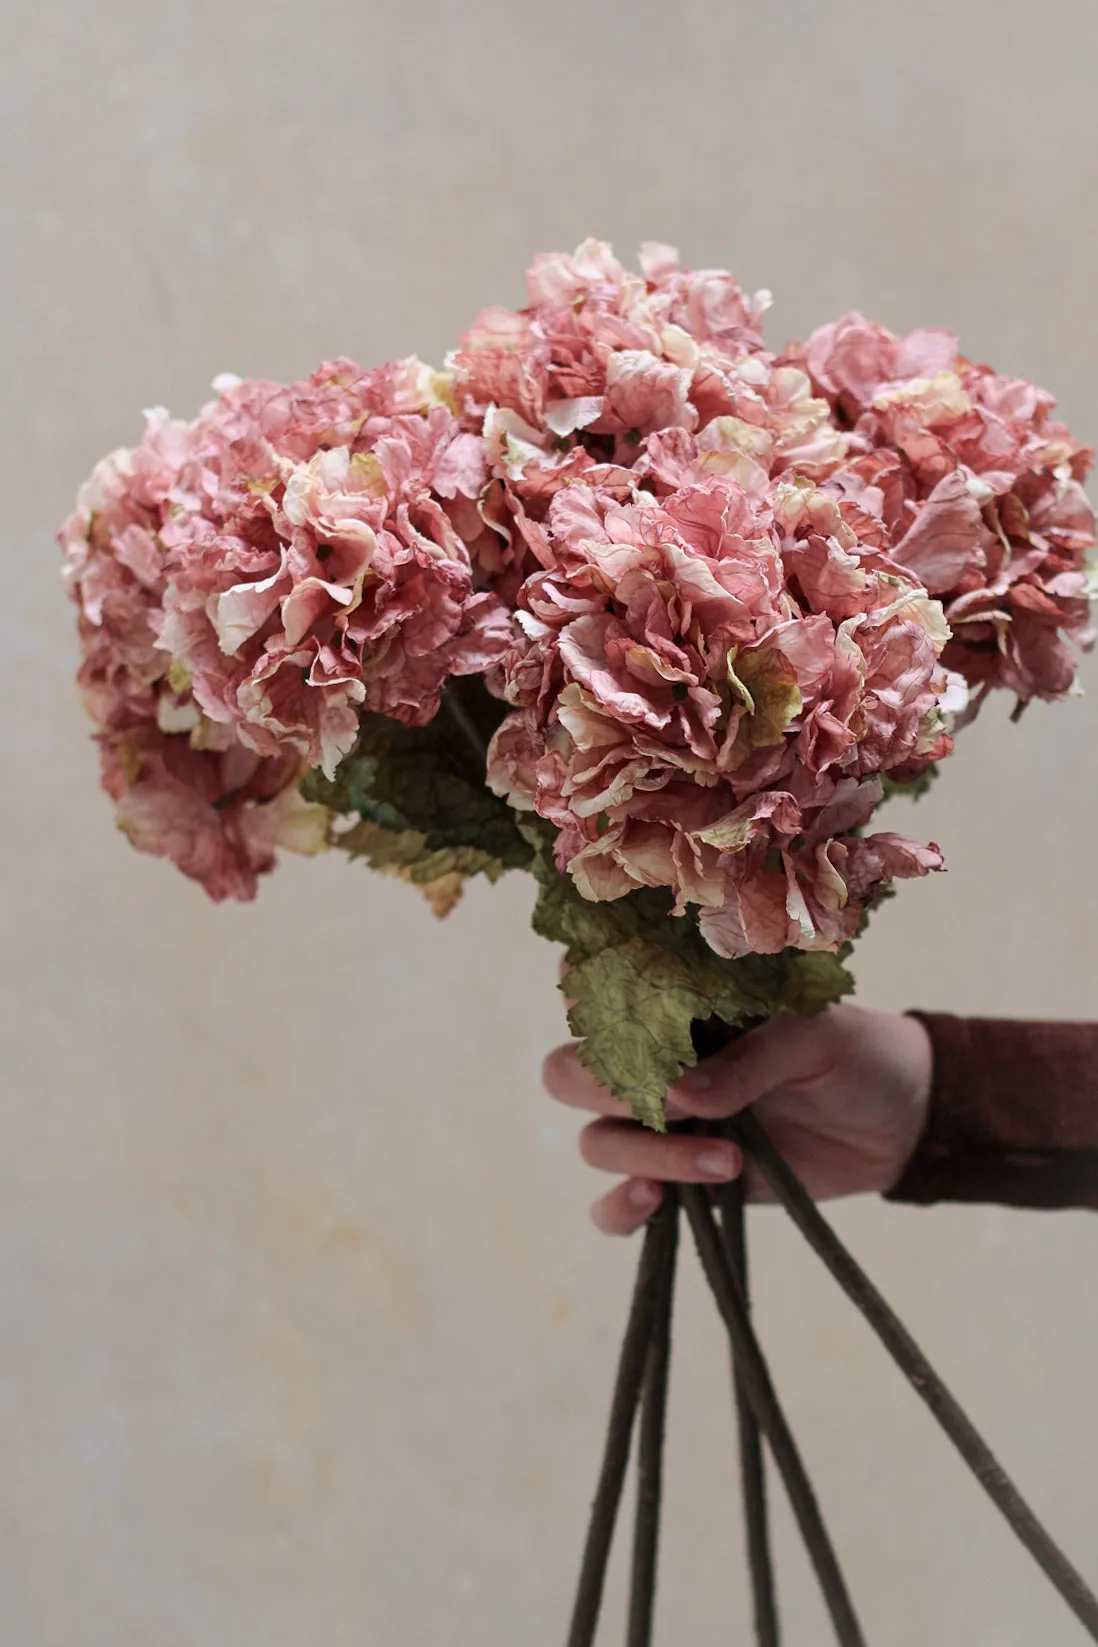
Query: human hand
<point x="843" y="1096"/>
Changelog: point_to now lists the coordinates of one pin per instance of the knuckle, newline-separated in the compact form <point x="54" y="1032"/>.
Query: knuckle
<point x="606" y="1214"/>
<point x="730" y="1081"/>
<point x="591" y="1144"/>
<point x="557" y="1074"/>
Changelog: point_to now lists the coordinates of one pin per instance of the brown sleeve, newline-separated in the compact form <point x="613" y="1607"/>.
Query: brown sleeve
<point x="1013" y="1115"/>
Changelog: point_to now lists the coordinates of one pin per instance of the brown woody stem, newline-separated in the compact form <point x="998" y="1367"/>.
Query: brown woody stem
<point x="753" y="1139"/>
<point x="653" y="1423"/>
<point x="632" y="1363"/>
<point x="455" y="703"/>
<point x="757" y="1386"/>
<point x="731" y="1199"/>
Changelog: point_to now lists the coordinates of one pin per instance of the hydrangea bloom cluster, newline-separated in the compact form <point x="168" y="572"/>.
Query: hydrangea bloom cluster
<point x="612" y="353"/>
<point x="722" y="593"/>
<point x="251" y="581"/>
<point x="980" y="489"/>
<point x="709" y="687"/>
<point x="664" y="373"/>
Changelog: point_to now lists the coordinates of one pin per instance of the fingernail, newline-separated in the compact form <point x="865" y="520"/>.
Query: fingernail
<point x="643" y="1197"/>
<point x="696" y="1080"/>
<point x="717" y="1161"/>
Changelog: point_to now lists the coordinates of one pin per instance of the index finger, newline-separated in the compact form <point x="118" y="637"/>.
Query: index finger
<point x="781" y="1052"/>
<point x="566" y="1080"/>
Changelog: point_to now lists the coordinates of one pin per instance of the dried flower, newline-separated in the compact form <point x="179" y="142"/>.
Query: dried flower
<point x="707" y="691"/>
<point x="980" y="490"/>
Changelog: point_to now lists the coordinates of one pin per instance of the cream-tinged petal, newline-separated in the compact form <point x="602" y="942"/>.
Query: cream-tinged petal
<point x="564" y="417"/>
<point x="242" y="610"/>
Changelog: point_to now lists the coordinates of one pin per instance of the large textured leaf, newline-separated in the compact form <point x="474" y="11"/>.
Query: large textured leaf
<point x="797" y="980"/>
<point x="636" y="1002"/>
<point x="426" y="782"/>
<point x="585" y="928"/>
<point x="640" y="978"/>
<point x="440" y="874"/>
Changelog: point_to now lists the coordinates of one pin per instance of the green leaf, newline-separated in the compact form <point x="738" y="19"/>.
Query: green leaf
<point x="439" y="874"/>
<point x="641" y="977"/>
<point x="427" y="782"/>
<point x="407" y="852"/>
<point x="800" y="981"/>
<point x="636" y="1003"/>
<point x="585" y="928"/>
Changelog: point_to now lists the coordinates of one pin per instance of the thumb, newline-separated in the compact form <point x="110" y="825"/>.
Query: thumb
<point x="782" y="1051"/>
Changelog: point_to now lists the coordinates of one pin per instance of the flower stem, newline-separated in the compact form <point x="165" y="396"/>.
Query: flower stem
<point x="630" y="1377"/>
<point x="760" y="1392"/>
<point x="731" y="1199"/>
<point x="752" y="1138"/>
<point x="455" y="703"/>
<point x="653" y="1418"/>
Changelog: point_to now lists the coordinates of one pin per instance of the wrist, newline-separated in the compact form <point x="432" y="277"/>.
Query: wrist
<point x="915" y="1054"/>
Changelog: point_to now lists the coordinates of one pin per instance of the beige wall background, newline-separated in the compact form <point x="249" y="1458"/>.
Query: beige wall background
<point x="304" y="1335"/>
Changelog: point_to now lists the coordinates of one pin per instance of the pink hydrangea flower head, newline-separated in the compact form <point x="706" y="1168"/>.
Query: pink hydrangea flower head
<point x="185" y="789"/>
<point x="707" y="689"/>
<point x="664" y="372"/>
<point x="340" y="582"/>
<point x="980" y="489"/>
<point x="250" y="582"/>
<point x="603" y="350"/>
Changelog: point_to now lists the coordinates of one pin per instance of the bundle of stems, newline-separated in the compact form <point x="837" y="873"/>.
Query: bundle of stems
<point x="642" y="1383"/>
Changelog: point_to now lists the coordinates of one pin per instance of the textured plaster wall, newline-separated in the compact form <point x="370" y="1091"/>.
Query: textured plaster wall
<point x="304" y="1336"/>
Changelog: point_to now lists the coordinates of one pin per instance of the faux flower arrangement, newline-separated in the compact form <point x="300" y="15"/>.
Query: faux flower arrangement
<point x="704" y="606"/>
<point x="623" y="598"/>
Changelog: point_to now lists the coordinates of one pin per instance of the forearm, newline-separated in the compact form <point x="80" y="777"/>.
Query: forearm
<point x="1013" y="1115"/>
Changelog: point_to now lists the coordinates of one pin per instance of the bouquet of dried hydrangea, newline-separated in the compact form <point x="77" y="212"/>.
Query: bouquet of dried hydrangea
<point x="623" y="598"/>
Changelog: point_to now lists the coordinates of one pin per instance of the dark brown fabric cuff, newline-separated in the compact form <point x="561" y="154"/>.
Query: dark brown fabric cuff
<point x="1013" y="1115"/>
